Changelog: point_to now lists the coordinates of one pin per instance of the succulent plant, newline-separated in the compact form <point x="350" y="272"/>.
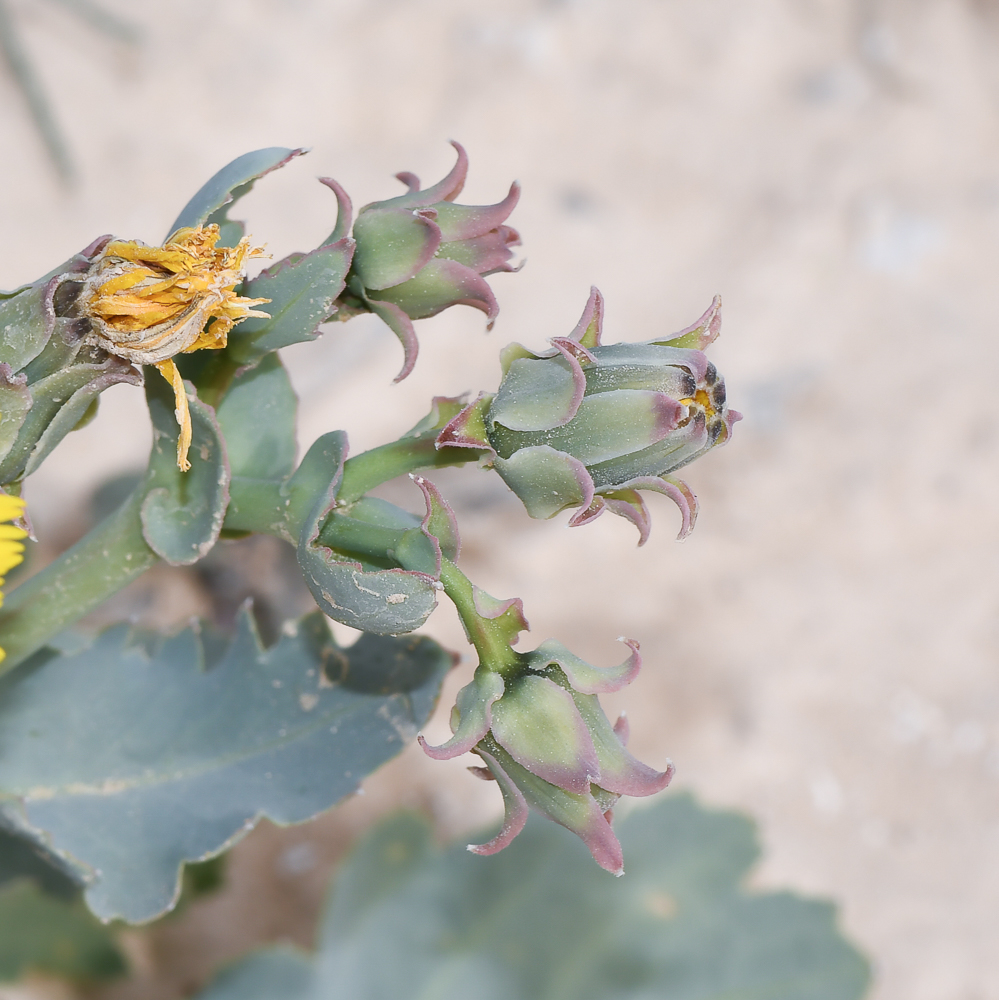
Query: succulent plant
<point x="535" y="719"/>
<point x="589" y="425"/>
<point x="420" y="253"/>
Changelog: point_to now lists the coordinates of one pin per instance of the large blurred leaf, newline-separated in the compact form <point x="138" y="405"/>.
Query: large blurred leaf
<point x="39" y="932"/>
<point x="135" y="754"/>
<point x="407" y="921"/>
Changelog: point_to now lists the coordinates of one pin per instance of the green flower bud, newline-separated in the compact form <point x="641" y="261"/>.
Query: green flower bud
<point x="420" y="253"/>
<point x="588" y="425"/>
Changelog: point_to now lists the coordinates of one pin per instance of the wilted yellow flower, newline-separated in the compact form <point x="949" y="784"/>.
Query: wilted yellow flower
<point x="11" y="549"/>
<point x="147" y="304"/>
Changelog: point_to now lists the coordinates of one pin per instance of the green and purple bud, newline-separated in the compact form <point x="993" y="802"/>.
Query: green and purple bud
<point x="420" y="253"/>
<point x="589" y="425"/>
<point x="535" y="718"/>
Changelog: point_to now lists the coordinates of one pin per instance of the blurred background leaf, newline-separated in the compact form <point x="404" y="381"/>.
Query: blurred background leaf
<point x="42" y="933"/>
<point x="540" y="922"/>
<point x="44" y="924"/>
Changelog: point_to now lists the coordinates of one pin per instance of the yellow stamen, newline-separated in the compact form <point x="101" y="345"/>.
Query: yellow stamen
<point x="148" y="304"/>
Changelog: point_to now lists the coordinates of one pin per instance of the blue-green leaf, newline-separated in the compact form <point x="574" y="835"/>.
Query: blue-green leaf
<point x="182" y="512"/>
<point x="230" y="184"/>
<point x="136" y="754"/>
<point x="386" y="601"/>
<point x="301" y="290"/>
<point x="541" y="922"/>
<point x="57" y="404"/>
<point x="23" y="327"/>
<point x="257" y="419"/>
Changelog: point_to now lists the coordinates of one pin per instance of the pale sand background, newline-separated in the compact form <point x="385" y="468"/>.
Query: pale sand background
<point x="822" y="651"/>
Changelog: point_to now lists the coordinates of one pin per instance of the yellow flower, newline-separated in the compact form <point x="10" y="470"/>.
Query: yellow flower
<point x="147" y="304"/>
<point x="11" y="549"/>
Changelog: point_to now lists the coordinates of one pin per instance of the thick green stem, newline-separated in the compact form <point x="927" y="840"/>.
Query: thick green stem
<point x="489" y="636"/>
<point x="99" y="565"/>
<point x="372" y="468"/>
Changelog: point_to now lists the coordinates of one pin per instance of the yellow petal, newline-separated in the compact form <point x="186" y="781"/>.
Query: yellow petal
<point x="169" y="371"/>
<point x="10" y="507"/>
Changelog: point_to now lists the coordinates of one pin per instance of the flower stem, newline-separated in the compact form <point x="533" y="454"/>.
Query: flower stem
<point x="372" y="468"/>
<point x="491" y="637"/>
<point x="99" y="565"/>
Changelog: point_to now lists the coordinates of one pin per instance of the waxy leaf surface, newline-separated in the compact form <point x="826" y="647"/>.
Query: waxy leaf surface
<point x="136" y="754"/>
<point x="182" y="512"/>
<point x="302" y="290"/>
<point x="540" y="922"/>
<point x="232" y="182"/>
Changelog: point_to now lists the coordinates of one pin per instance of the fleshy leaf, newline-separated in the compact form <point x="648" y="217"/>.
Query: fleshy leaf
<point x="393" y="245"/>
<point x="537" y="923"/>
<point x="620" y="773"/>
<point x="606" y="426"/>
<point x="446" y="189"/>
<point x="440" y="520"/>
<point x="464" y="222"/>
<point x="537" y="395"/>
<point x="182" y="512"/>
<point x="590" y="326"/>
<point x="678" y="491"/>
<point x="302" y="290"/>
<point x="25" y="326"/>
<point x="538" y="724"/>
<point x="510" y="612"/>
<point x="629" y="504"/>
<point x="583" y="676"/>
<point x="385" y="601"/>
<point x="15" y="402"/>
<point x="546" y="480"/>
<point x="702" y="331"/>
<point x="515" y="809"/>
<point x="440" y="284"/>
<point x="467" y="429"/>
<point x="58" y="402"/>
<point x="344" y="212"/>
<point x="233" y="181"/>
<point x="580" y="813"/>
<point x="473" y="710"/>
<point x="402" y="326"/>
<point x="173" y="762"/>
<point x="257" y="420"/>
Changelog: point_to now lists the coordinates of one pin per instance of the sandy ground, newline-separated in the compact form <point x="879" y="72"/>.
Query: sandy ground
<point x="821" y="653"/>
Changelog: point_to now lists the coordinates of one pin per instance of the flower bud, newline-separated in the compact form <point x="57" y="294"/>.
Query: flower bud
<point x="588" y="425"/>
<point x="544" y="738"/>
<point x="420" y="253"/>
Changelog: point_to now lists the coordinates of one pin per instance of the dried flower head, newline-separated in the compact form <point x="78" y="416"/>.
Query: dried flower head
<point x="148" y="304"/>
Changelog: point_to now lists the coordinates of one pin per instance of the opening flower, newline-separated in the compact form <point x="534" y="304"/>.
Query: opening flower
<point x="589" y="425"/>
<point x="148" y="304"/>
<point x="11" y="547"/>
